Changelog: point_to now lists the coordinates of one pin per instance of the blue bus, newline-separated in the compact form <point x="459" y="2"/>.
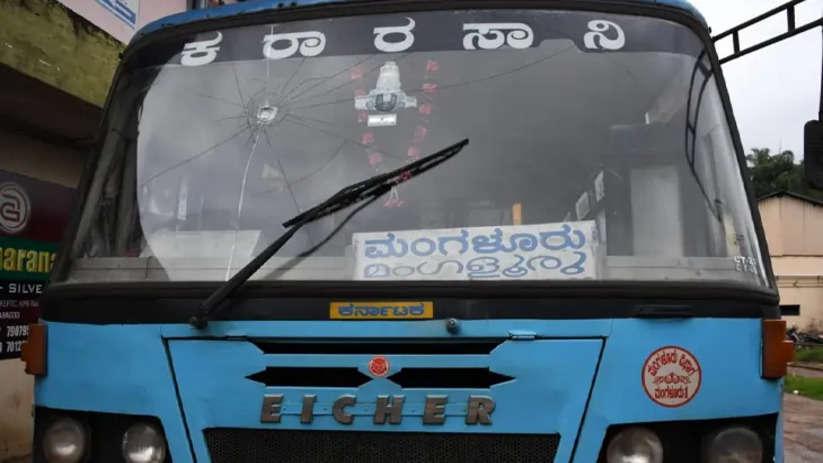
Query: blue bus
<point x="414" y="231"/>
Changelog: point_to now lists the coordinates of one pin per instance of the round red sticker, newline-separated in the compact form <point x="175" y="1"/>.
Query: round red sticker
<point x="379" y="366"/>
<point x="671" y="376"/>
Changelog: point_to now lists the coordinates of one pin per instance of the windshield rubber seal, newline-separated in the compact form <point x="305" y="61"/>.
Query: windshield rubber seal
<point x="165" y="302"/>
<point x="585" y="289"/>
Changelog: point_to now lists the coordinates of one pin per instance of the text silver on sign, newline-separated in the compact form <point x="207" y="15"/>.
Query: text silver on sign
<point x="387" y="409"/>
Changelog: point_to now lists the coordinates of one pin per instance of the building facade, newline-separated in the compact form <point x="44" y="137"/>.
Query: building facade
<point x="57" y="59"/>
<point x="794" y="231"/>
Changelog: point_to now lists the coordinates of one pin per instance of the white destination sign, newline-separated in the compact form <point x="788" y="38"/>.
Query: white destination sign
<point x="521" y="252"/>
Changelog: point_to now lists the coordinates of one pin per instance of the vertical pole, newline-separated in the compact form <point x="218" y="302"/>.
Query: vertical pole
<point x="790" y="17"/>
<point x="820" y="111"/>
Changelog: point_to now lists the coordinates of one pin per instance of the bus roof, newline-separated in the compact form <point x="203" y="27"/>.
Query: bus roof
<point x="256" y="6"/>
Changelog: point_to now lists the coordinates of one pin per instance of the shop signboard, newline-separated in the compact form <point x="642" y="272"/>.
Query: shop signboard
<point x="33" y="215"/>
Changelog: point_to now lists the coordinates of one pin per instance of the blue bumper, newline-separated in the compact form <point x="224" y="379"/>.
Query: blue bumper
<point x="569" y="378"/>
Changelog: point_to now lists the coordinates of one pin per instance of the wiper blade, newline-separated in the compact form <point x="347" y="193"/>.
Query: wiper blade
<point x="370" y="188"/>
<point x="377" y="185"/>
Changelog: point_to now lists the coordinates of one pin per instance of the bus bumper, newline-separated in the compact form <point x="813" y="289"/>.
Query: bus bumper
<point x="560" y="387"/>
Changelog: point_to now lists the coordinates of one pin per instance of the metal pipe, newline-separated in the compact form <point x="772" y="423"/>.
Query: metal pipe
<point x="773" y="40"/>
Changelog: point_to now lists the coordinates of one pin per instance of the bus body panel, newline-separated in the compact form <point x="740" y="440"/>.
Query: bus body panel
<point x="536" y="399"/>
<point x="579" y="379"/>
<point x="135" y="361"/>
<point x="730" y="360"/>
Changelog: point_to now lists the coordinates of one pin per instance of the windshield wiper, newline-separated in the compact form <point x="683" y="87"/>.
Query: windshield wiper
<point x="370" y="188"/>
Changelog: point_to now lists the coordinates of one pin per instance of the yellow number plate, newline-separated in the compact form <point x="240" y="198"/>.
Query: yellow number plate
<point x="404" y="310"/>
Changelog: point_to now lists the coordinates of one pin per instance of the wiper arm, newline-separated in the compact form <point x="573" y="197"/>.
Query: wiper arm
<point x="370" y="188"/>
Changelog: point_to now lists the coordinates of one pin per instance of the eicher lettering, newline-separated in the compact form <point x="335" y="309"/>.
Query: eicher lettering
<point x="387" y="409"/>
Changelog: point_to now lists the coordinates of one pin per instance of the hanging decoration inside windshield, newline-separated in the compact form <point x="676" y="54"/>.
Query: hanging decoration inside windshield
<point x="430" y="31"/>
<point x="387" y="97"/>
<point x="370" y="141"/>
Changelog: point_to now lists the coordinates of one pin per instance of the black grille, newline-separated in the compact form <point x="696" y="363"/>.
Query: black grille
<point x="310" y="377"/>
<point x="229" y="445"/>
<point x="447" y="378"/>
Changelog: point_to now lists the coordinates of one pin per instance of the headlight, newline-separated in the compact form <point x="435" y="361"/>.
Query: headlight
<point x="734" y="445"/>
<point x="65" y="441"/>
<point x="635" y="445"/>
<point x="144" y="443"/>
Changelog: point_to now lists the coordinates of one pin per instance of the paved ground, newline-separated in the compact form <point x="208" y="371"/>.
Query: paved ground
<point x="802" y="429"/>
<point x="803" y="370"/>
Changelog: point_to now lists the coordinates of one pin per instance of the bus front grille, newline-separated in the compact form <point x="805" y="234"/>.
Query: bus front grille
<point x="257" y="445"/>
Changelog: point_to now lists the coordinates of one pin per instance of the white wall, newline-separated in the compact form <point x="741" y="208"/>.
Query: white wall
<point x="794" y="231"/>
<point x="800" y="281"/>
<point x="16" y="401"/>
<point x="148" y="11"/>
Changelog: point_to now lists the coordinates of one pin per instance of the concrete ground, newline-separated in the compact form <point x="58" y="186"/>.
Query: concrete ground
<point x="808" y="370"/>
<point x="802" y="429"/>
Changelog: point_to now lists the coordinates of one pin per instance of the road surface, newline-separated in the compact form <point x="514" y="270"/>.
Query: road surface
<point x="802" y="429"/>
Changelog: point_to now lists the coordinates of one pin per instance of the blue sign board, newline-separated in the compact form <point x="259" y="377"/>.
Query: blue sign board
<point x="126" y="10"/>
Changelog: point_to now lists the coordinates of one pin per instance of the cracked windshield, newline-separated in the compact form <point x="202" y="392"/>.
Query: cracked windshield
<point x="599" y="149"/>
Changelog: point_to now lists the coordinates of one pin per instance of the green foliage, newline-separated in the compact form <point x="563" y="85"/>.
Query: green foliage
<point x="778" y="172"/>
<point x="809" y="387"/>
<point x="814" y="354"/>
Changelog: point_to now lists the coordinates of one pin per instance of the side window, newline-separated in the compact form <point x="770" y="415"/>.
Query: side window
<point x="731" y="219"/>
<point x="109" y="225"/>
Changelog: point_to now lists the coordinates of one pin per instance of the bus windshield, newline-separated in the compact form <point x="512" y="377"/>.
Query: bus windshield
<point x="599" y="149"/>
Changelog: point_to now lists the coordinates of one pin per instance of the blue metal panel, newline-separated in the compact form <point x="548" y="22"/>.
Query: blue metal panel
<point x="538" y="400"/>
<point x="778" y="444"/>
<point x="729" y="356"/>
<point x="115" y="369"/>
<point x="251" y="7"/>
<point x="388" y="329"/>
<point x="126" y="369"/>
